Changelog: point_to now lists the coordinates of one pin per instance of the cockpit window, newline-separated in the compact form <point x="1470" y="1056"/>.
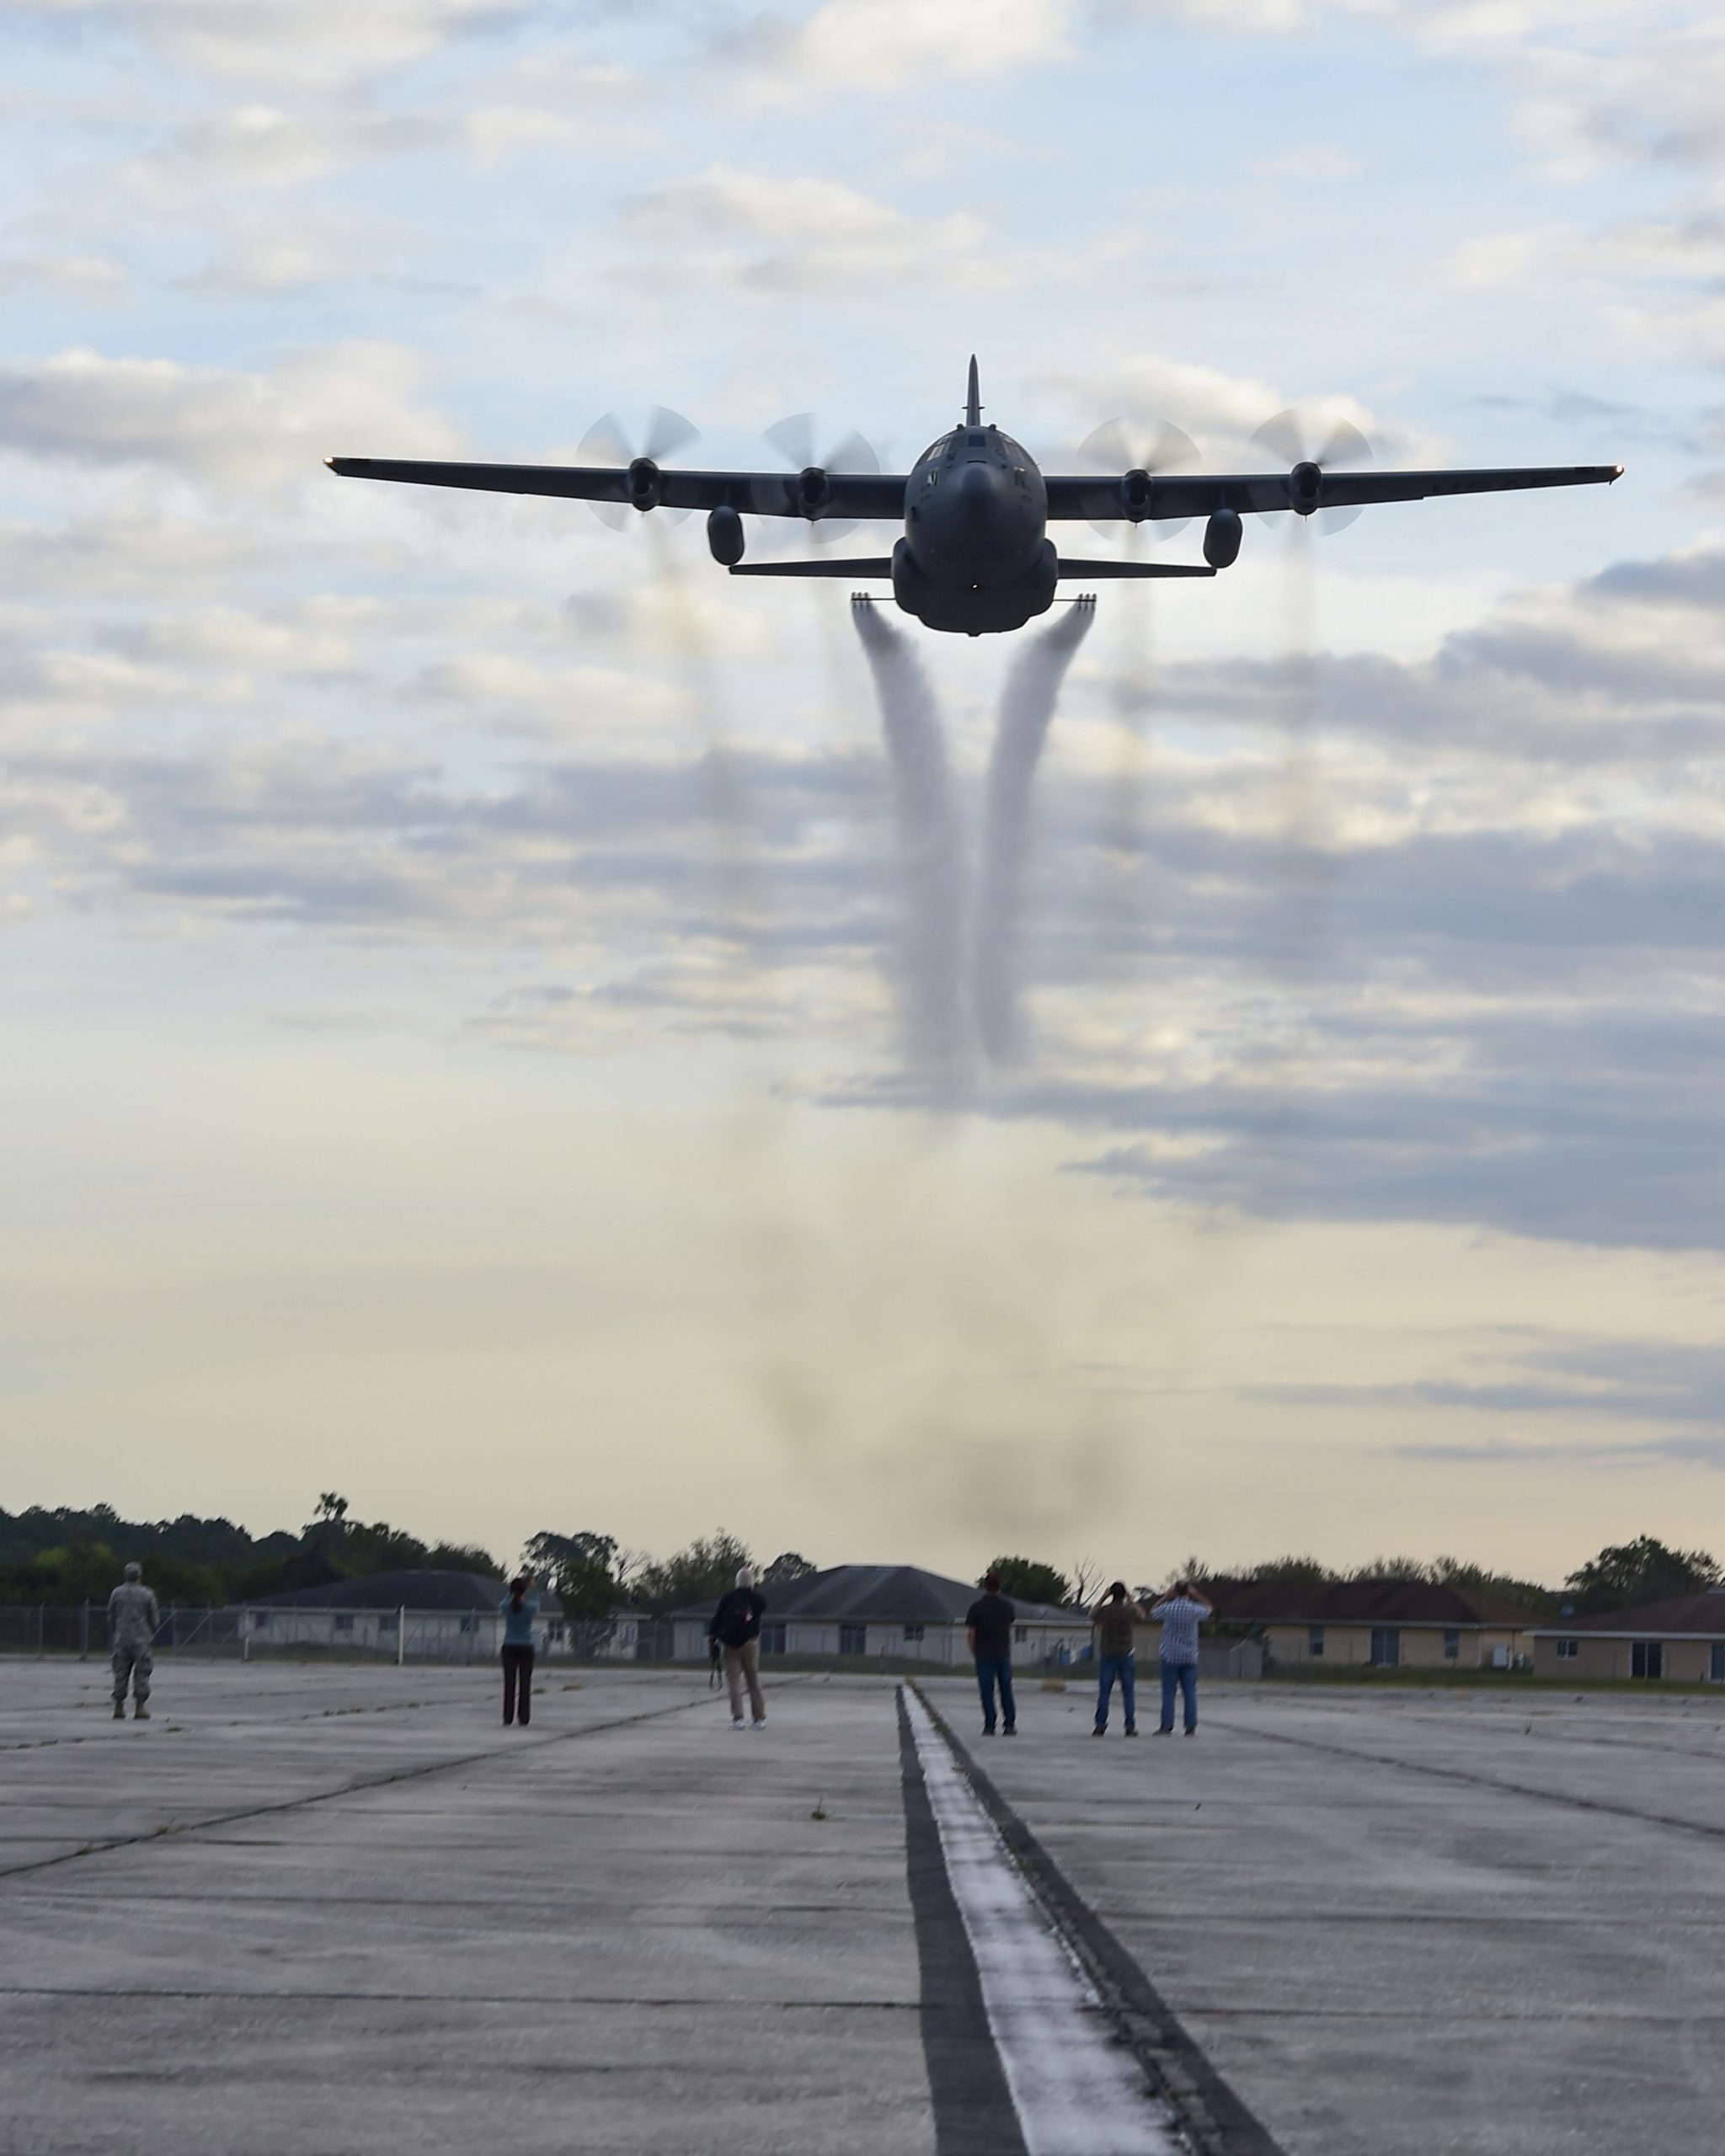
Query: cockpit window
<point x="977" y="440"/>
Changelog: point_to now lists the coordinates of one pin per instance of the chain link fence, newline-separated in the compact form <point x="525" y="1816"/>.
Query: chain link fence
<point x="256" y="1631"/>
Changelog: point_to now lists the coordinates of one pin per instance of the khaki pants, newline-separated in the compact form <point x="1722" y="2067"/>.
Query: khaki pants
<point x="742" y="1665"/>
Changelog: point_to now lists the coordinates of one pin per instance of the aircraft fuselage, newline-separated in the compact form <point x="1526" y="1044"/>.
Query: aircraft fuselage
<point x="975" y="556"/>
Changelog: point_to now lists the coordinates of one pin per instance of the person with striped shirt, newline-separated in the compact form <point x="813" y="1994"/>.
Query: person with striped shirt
<point x="1181" y="1611"/>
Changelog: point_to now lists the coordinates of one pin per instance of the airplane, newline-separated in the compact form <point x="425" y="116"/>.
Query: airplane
<point x="975" y="559"/>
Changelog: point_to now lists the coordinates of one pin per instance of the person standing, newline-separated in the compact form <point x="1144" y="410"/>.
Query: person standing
<point x="132" y="1621"/>
<point x="1114" y="1616"/>
<point x="520" y="1607"/>
<point x="988" y="1628"/>
<point x="1182" y="1612"/>
<point x="736" y="1628"/>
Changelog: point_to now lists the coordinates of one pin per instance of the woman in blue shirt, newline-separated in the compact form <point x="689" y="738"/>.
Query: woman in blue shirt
<point x="520" y="1607"/>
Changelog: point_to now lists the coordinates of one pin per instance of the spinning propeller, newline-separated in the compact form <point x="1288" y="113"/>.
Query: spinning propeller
<point x="1108" y="448"/>
<point x="609" y="442"/>
<point x="793" y="441"/>
<point x="1288" y="438"/>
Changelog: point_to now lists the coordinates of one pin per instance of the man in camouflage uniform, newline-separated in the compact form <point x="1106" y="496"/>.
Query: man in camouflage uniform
<point x="132" y="1620"/>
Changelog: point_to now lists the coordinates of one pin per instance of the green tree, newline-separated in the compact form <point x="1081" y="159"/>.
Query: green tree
<point x="701" y="1573"/>
<point x="1292" y="1572"/>
<point x="585" y="1572"/>
<point x="1642" y="1571"/>
<point x="1026" y="1580"/>
<point x="788" y="1565"/>
<point x="462" y="1557"/>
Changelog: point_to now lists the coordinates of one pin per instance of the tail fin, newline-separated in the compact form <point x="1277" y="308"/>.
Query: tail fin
<point x="973" y="405"/>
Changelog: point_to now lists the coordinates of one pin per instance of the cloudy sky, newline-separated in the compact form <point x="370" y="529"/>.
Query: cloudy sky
<point x="460" y="963"/>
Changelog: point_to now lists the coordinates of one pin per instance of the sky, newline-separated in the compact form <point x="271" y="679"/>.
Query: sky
<point x="468" y="971"/>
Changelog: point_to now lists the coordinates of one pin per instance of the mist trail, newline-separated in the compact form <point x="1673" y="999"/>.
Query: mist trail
<point x="931" y="854"/>
<point x="1033" y="688"/>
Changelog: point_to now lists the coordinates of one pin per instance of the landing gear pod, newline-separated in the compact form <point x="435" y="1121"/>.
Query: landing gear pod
<point x="724" y="535"/>
<point x="1221" y="539"/>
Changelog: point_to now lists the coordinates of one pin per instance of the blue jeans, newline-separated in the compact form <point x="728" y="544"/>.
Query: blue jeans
<point x="992" y="1670"/>
<point x="1181" y="1676"/>
<point x="1110" y="1667"/>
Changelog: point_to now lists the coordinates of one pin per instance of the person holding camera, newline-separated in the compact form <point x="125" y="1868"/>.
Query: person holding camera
<point x="520" y="1608"/>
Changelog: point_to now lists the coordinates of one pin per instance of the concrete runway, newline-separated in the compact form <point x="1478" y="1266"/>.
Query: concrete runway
<point x="312" y="1911"/>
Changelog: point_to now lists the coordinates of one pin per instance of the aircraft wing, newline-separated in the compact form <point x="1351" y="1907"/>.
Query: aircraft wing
<point x="756" y="493"/>
<point x="1198" y="494"/>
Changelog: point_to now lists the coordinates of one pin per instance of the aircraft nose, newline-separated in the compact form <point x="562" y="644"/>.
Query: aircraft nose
<point x="975" y="488"/>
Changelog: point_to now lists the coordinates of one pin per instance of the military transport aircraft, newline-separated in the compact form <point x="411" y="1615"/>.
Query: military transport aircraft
<point x="975" y="556"/>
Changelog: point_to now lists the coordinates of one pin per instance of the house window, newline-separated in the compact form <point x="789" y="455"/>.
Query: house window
<point x="1452" y="1644"/>
<point x="772" y="1637"/>
<point x="1023" y="1636"/>
<point x="470" y="1624"/>
<point x="385" y="1623"/>
<point x="345" y="1623"/>
<point x="1646" y="1658"/>
<point x="260" y="1620"/>
<point x="1568" y="1650"/>
<point x="1385" y="1646"/>
<point x="853" y="1639"/>
<point x="1315" y="1642"/>
<point x="913" y="1636"/>
<point x="1715" y="1662"/>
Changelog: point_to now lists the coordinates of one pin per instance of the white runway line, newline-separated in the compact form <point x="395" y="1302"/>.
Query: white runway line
<point x="1077" y="2091"/>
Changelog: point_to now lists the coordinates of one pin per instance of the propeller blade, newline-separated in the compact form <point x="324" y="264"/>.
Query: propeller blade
<point x="667" y="432"/>
<point x="852" y="454"/>
<point x="1111" y="448"/>
<point x="1344" y="444"/>
<point x="793" y="439"/>
<point x="1283" y="437"/>
<point x="1106" y="448"/>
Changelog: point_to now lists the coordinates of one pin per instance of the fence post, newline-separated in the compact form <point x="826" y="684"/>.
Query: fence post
<point x="245" y="1634"/>
<point x="41" y="1627"/>
<point x="84" y="1633"/>
<point x="401" y="1636"/>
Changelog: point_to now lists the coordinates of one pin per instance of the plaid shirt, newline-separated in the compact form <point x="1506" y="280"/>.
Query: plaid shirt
<point x="1180" y="1618"/>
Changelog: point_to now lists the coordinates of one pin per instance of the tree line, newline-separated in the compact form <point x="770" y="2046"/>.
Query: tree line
<point x="65" y="1556"/>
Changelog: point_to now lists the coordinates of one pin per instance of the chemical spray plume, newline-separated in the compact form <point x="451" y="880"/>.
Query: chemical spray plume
<point x="1027" y="705"/>
<point x="930" y="853"/>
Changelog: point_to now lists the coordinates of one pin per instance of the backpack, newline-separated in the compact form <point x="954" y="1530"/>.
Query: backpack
<point x="737" y="1622"/>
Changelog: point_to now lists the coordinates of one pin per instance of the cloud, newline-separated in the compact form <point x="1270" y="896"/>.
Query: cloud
<point x="260" y="145"/>
<point x="774" y="235"/>
<point x="880" y="45"/>
<point x="299" y="45"/>
<point x="217" y="426"/>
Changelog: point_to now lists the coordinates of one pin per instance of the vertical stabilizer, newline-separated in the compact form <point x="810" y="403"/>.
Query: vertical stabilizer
<point x="973" y="403"/>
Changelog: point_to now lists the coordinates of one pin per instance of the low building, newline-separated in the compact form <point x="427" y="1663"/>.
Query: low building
<point x="1376" y="1624"/>
<point x="446" y="1615"/>
<point x="1678" y="1641"/>
<point x="873" y="1612"/>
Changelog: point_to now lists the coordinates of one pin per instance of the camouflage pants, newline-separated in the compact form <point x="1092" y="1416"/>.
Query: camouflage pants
<point x="131" y="1659"/>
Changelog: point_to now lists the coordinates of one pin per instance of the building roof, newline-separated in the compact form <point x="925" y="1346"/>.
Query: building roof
<point x="1361" y="1602"/>
<point x="880" y="1594"/>
<point x="1690" y="1616"/>
<point x="417" y="1590"/>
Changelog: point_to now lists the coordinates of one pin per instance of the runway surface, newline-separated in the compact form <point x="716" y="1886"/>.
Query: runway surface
<point x="339" y="1909"/>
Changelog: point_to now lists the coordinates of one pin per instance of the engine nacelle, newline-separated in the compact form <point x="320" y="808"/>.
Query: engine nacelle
<point x="814" y="491"/>
<point x="645" y="483"/>
<point x="1221" y="539"/>
<point x="1305" y="484"/>
<point x="1135" y="491"/>
<point x="724" y="535"/>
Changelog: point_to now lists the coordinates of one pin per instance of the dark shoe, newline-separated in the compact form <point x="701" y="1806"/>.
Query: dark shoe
<point x="1102" y="1730"/>
<point x="1191" y="1732"/>
<point x="1166" y="1730"/>
<point x="139" y="1712"/>
<point x="1131" y="1729"/>
<point x="119" y="1711"/>
<point x="1010" y="1730"/>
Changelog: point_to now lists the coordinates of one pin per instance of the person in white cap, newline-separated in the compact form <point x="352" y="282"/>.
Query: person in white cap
<point x="736" y="1628"/>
